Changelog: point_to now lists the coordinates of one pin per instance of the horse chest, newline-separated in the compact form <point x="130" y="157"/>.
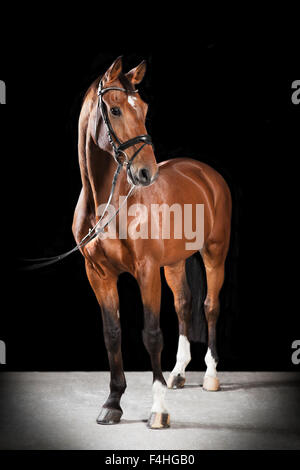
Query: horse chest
<point x="110" y="255"/>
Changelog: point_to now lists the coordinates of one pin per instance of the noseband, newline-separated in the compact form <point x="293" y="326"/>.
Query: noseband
<point x="119" y="147"/>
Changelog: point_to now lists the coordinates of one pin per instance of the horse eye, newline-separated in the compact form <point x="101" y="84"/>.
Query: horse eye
<point x="115" y="111"/>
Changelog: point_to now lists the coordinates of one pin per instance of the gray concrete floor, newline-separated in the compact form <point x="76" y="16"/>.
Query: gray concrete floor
<point x="58" y="410"/>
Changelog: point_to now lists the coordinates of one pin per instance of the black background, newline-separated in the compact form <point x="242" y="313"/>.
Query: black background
<point x="213" y="99"/>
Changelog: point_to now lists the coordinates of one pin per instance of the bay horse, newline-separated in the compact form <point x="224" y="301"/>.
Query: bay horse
<point x="112" y="129"/>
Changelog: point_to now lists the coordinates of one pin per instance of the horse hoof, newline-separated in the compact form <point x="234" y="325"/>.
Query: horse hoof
<point x="109" y="416"/>
<point x="159" y="421"/>
<point x="211" y="384"/>
<point x="176" y="381"/>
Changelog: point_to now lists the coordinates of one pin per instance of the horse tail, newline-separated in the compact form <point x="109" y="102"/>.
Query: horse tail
<point x="196" y="278"/>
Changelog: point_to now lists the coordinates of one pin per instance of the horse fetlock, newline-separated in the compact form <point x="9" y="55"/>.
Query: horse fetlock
<point x="183" y="357"/>
<point x="159" y="392"/>
<point x="159" y="417"/>
<point x="211" y="362"/>
<point x="117" y="389"/>
<point x="211" y="382"/>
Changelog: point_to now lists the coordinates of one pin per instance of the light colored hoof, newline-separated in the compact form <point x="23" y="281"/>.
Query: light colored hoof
<point x="159" y="421"/>
<point x="176" y="381"/>
<point x="211" y="384"/>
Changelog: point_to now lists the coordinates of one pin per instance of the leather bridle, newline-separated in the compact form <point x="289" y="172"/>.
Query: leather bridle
<point x="118" y="146"/>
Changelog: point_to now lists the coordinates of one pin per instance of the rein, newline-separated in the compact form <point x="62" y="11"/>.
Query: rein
<point x="118" y="148"/>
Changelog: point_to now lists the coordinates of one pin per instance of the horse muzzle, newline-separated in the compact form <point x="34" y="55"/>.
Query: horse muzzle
<point x="143" y="176"/>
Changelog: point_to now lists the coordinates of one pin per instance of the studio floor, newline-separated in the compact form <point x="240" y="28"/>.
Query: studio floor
<point x="58" y="410"/>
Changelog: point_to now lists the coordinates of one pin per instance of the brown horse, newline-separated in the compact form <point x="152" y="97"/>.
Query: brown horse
<point x="174" y="183"/>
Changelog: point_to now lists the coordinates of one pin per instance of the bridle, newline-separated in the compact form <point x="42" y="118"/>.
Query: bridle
<point x="118" y="146"/>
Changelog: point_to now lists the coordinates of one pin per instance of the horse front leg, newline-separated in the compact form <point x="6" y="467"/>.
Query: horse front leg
<point x="150" y="286"/>
<point x="107" y="296"/>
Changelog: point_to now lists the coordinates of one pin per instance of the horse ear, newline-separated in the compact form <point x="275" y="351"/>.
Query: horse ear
<point x="136" y="75"/>
<point x="113" y="72"/>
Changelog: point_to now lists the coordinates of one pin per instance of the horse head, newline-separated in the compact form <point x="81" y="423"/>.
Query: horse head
<point x="123" y="132"/>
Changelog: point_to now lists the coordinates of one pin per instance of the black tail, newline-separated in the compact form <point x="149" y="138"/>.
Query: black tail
<point x="196" y="278"/>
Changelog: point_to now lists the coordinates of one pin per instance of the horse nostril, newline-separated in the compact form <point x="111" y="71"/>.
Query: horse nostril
<point x="144" y="176"/>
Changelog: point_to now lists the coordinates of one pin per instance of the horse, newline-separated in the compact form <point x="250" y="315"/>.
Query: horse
<point x="111" y="135"/>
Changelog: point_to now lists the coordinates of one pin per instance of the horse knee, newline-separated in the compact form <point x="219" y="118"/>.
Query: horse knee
<point x="118" y="385"/>
<point x="211" y="309"/>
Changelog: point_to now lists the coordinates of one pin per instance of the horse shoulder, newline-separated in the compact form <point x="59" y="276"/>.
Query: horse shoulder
<point x="83" y="218"/>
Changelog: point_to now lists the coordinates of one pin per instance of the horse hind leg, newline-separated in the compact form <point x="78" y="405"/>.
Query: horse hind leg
<point x="148" y="277"/>
<point x="214" y="260"/>
<point x="176" y="279"/>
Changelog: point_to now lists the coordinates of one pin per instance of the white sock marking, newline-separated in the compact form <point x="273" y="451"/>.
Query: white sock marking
<point x="159" y="391"/>
<point x="211" y="364"/>
<point x="183" y="356"/>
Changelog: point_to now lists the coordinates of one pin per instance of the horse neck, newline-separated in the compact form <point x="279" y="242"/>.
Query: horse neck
<point x="97" y="165"/>
<point x="101" y="168"/>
